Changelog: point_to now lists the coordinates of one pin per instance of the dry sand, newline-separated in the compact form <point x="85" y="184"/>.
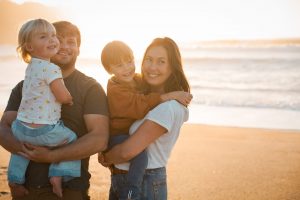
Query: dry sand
<point x="218" y="163"/>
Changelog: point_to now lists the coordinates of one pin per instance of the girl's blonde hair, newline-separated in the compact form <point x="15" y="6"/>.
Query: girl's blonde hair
<point x="26" y="33"/>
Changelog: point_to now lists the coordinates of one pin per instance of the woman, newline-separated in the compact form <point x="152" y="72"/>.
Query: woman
<point x="158" y="130"/>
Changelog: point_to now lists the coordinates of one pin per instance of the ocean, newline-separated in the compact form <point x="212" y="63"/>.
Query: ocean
<point x="239" y="86"/>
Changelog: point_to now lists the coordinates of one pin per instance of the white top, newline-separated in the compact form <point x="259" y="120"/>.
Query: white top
<point x="170" y="115"/>
<point x="38" y="103"/>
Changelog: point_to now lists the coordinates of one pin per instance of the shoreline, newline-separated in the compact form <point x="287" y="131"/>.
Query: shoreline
<point x="217" y="163"/>
<point x="242" y="127"/>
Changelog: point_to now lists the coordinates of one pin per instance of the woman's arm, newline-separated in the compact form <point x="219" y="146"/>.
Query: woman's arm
<point x="147" y="133"/>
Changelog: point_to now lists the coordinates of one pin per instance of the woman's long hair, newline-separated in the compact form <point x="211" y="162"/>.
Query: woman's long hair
<point x="177" y="80"/>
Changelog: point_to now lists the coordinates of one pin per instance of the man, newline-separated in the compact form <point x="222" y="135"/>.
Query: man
<point x="87" y="117"/>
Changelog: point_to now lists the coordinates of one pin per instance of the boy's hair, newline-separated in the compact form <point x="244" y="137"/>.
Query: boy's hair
<point x="26" y="33"/>
<point x="114" y="53"/>
<point x="65" y="28"/>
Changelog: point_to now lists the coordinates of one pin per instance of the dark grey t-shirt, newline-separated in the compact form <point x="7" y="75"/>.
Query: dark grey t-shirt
<point x="89" y="98"/>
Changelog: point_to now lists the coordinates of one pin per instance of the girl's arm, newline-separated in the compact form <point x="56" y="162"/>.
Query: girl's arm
<point x="146" y="134"/>
<point x="60" y="91"/>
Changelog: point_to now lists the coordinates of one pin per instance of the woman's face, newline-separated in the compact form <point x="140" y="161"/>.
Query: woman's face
<point x="156" y="68"/>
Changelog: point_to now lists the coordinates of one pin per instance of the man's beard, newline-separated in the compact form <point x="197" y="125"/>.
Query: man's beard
<point x="68" y="65"/>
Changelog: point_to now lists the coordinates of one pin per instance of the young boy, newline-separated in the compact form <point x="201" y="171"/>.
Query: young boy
<point x="38" y="119"/>
<point x="127" y="103"/>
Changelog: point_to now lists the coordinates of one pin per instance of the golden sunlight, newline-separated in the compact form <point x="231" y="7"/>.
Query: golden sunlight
<point x="137" y="22"/>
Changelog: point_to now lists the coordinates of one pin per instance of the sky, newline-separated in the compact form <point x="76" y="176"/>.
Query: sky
<point x="137" y="22"/>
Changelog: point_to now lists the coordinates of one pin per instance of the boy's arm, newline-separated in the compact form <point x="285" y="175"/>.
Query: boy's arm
<point x="124" y="102"/>
<point x="182" y="97"/>
<point x="61" y="93"/>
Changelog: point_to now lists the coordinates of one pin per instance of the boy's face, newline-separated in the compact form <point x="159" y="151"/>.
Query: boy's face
<point x="43" y="44"/>
<point x="124" y="71"/>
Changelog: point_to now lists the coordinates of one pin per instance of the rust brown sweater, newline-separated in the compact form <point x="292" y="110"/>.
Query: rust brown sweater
<point x="127" y="104"/>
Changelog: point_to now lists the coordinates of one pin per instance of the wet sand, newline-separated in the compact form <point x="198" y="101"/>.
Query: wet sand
<point x="217" y="163"/>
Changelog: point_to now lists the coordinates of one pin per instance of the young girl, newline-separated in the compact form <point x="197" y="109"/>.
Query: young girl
<point x="38" y="120"/>
<point x="128" y="103"/>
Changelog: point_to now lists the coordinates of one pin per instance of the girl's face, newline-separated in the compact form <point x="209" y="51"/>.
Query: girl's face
<point x="156" y="68"/>
<point x="43" y="44"/>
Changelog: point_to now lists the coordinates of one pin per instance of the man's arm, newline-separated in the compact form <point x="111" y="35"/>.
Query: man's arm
<point x="97" y="123"/>
<point x="7" y="140"/>
<point x="94" y="141"/>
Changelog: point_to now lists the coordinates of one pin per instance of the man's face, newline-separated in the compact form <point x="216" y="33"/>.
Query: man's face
<point x="67" y="54"/>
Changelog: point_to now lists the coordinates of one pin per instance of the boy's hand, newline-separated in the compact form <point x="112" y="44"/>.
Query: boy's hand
<point x="183" y="97"/>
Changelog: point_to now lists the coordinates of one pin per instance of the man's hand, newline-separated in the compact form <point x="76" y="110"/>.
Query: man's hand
<point x="39" y="153"/>
<point x="36" y="153"/>
<point x="101" y="160"/>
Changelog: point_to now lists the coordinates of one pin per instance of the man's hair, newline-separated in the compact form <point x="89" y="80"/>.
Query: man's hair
<point x="65" y="28"/>
<point x="27" y="31"/>
<point x="114" y="53"/>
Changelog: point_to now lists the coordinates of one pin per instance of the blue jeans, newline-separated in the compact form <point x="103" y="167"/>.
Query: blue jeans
<point x="154" y="186"/>
<point x="134" y="179"/>
<point x="48" y="135"/>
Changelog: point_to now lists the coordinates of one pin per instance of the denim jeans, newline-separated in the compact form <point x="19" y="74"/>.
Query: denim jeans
<point x="48" y="135"/>
<point x="133" y="181"/>
<point x="154" y="186"/>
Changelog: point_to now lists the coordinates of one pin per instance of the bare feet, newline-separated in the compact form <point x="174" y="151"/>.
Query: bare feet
<point x="56" y="185"/>
<point x="17" y="190"/>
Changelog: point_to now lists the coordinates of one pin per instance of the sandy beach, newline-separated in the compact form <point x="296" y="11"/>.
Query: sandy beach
<point x="218" y="163"/>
